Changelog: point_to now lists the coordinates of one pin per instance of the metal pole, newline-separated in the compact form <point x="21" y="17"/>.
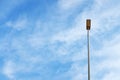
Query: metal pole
<point x="88" y="55"/>
<point x="88" y="26"/>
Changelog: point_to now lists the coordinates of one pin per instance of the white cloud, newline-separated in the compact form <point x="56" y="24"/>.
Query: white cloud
<point x="19" y="24"/>
<point x="9" y="70"/>
<point x="109" y="62"/>
<point x="112" y="76"/>
<point x="69" y="36"/>
<point x="36" y="42"/>
<point x="68" y="4"/>
<point x="110" y="48"/>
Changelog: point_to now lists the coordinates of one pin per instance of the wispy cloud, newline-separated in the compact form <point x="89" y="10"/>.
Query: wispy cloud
<point x="69" y="4"/>
<point x="9" y="70"/>
<point x="19" y="24"/>
<point x="56" y="45"/>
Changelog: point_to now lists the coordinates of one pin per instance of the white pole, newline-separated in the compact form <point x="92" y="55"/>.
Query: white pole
<point x="88" y="55"/>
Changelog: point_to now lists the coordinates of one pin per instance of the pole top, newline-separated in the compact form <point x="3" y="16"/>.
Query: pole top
<point x="88" y="24"/>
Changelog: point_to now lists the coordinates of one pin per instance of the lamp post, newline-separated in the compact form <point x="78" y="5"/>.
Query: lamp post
<point x="88" y="26"/>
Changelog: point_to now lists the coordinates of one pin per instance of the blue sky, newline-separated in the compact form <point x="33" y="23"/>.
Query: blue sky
<point x="46" y="39"/>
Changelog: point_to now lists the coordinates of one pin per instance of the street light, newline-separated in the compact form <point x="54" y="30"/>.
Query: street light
<point x="88" y="26"/>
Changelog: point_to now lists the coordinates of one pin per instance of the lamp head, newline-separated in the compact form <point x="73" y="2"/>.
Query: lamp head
<point x="88" y="24"/>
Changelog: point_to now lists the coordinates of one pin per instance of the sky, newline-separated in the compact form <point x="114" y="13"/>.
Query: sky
<point x="46" y="39"/>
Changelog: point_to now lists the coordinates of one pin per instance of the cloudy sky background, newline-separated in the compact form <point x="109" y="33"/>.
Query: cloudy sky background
<point x="46" y="39"/>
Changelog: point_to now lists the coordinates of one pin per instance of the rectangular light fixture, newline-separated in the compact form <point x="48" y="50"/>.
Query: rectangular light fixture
<point x="88" y="24"/>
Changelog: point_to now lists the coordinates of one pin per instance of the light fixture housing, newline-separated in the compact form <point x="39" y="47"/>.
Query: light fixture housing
<point x="88" y="24"/>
